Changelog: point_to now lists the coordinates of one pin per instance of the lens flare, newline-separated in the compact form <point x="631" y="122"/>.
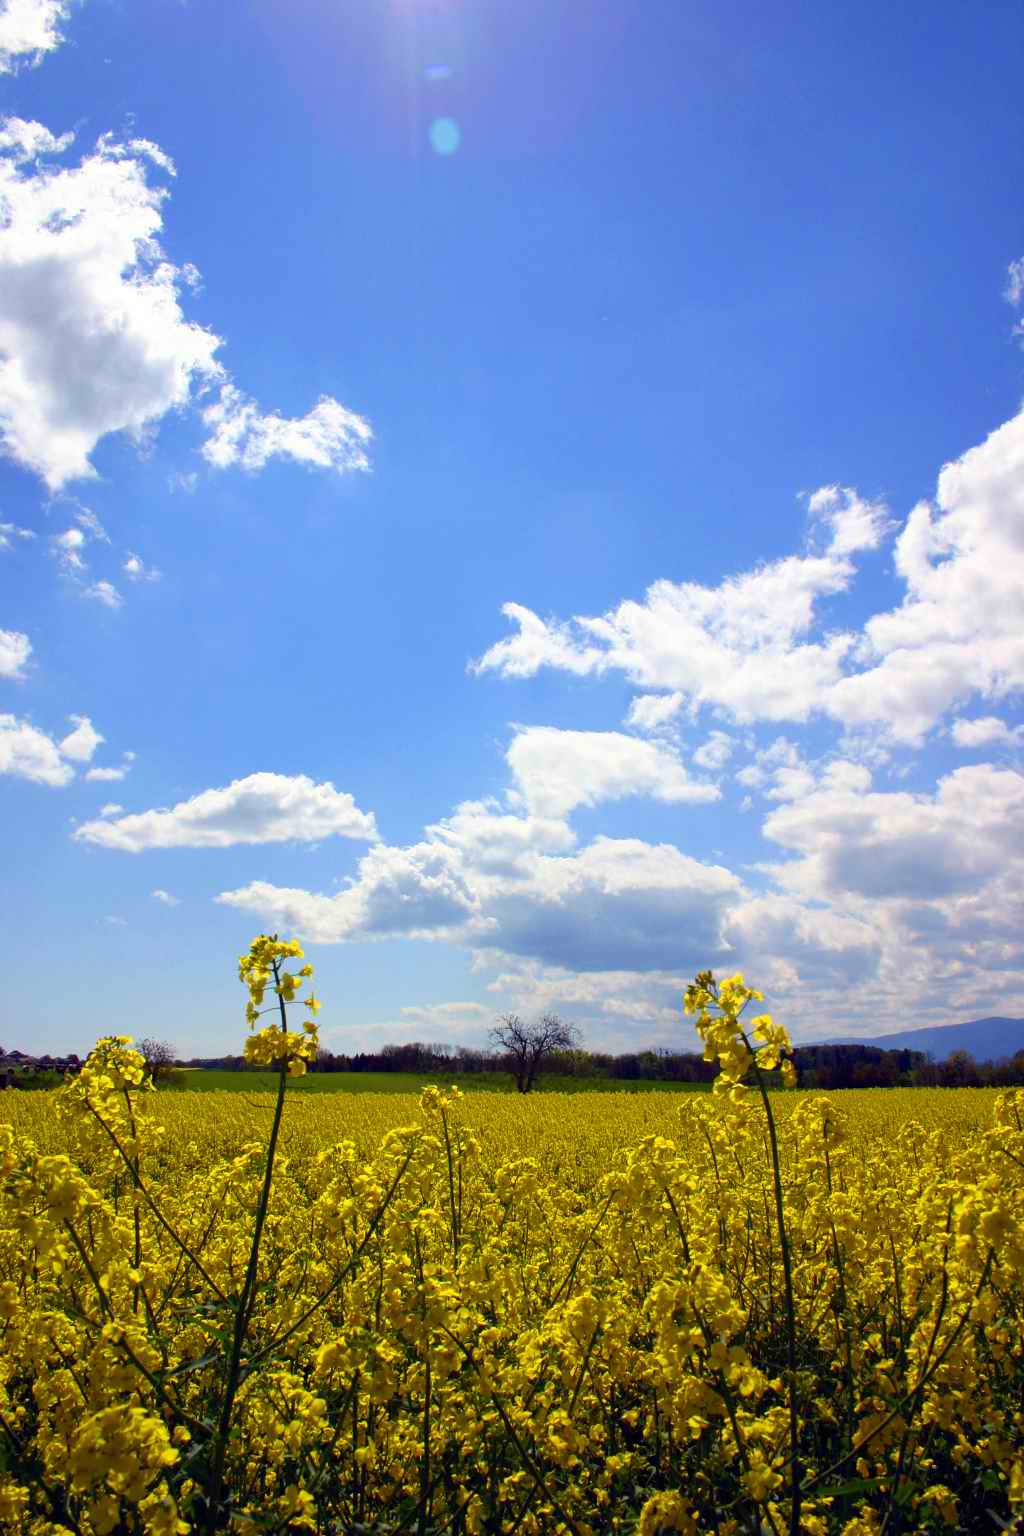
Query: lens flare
<point x="445" y="136"/>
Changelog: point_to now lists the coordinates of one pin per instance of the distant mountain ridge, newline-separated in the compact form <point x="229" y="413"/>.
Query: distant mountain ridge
<point x="986" y="1039"/>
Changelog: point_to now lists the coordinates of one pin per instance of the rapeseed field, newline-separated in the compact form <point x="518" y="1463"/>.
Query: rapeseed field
<point x="735" y="1313"/>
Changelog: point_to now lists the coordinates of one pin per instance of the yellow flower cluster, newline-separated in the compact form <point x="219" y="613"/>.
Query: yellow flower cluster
<point x="259" y="969"/>
<point x="719" y="1008"/>
<point x="554" y="1316"/>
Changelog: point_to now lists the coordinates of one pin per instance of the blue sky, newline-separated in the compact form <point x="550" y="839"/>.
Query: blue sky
<point x="529" y="499"/>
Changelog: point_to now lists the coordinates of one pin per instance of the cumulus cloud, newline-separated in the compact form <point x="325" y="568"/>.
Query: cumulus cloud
<point x="850" y="523"/>
<point x="653" y="711"/>
<point x="555" y="771"/>
<point x="327" y="437"/>
<point x="872" y="888"/>
<point x="988" y="731"/>
<point x="67" y="547"/>
<point x="15" y="650"/>
<point x="738" y="646"/>
<point x="165" y="898"/>
<point x="958" y="632"/>
<point x="416" y="892"/>
<point x="29" y="29"/>
<point x="137" y="570"/>
<point x="618" y="902"/>
<point x="715" y="752"/>
<point x="748" y="648"/>
<point x="820" y="945"/>
<point x="498" y="842"/>
<point x="28" y="753"/>
<point x="851" y="841"/>
<point x="104" y="592"/>
<point x="262" y="808"/>
<point x="780" y="772"/>
<point x="81" y="743"/>
<point x="92" y="334"/>
<point x="107" y="776"/>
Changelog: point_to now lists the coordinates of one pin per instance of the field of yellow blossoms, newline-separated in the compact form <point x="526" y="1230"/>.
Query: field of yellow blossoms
<point x="740" y="1312"/>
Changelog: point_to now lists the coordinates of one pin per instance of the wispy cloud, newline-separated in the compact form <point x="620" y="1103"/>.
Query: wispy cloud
<point x="9" y="532"/>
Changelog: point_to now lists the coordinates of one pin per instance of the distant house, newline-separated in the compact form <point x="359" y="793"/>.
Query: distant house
<point x="16" y="1064"/>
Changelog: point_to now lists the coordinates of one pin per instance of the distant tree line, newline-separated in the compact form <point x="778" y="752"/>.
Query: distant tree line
<point x="818" y="1066"/>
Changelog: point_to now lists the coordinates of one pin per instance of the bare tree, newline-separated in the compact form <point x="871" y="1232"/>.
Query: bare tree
<point x="160" y="1058"/>
<point x="529" y="1046"/>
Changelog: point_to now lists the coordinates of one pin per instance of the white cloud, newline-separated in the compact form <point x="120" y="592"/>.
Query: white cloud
<point x="80" y="744"/>
<point x="28" y="753"/>
<point x="10" y="531"/>
<point x="737" y="646"/>
<point x="104" y="592"/>
<point x="67" y="549"/>
<point x="15" y="650"/>
<point x="92" y="335"/>
<point x="29" y="29"/>
<point x="262" y="808"/>
<point x="557" y="770"/>
<point x="328" y="436"/>
<point x="747" y="647"/>
<point x="93" y="338"/>
<point x="24" y="141"/>
<point x="111" y="808"/>
<point x="538" y="644"/>
<point x="617" y="903"/>
<point x="779" y="771"/>
<point x="876" y="888"/>
<point x="984" y="732"/>
<point x="498" y="843"/>
<point x="958" y="632"/>
<point x="93" y="527"/>
<point x="850" y="841"/>
<point x="448" y="1016"/>
<point x="714" y="753"/>
<point x="106" y="776"/>
<point x="822" y="945"/>
<point x="853" y="524"/>
<point x="443" y="1024"/>
<point x="1014" y="291"/>
<point x="652" y="711"/>
<point x="165" y="898"/>
<point x="137" y="570"/>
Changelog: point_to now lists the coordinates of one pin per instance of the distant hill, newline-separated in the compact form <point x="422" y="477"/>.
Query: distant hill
<point x="985" y="1039"/>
